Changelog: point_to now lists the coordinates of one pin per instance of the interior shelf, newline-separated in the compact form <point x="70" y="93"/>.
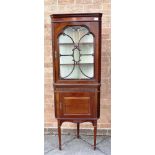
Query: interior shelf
<point x="86" y="43"/>
<point x="79" y="64"/>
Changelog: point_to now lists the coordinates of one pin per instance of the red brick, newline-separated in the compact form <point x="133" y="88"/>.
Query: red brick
<point x="106" y="1"/>
<point x="48" y="65"/>
<point x="83" y="1"/>
<point x="93" y="7"/>
<point x="70" y="9"/>
<point x="106" y="21"/>
<point x="65" y="1"/>
<point x="50" y="2"/>
<point x="106" y="8"/>
<point x="106" y="33"/>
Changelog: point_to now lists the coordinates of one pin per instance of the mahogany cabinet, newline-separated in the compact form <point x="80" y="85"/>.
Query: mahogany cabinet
<point x="76" y="46"/>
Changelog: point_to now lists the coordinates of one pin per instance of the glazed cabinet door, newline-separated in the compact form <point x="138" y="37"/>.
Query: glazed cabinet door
<point x="76" y="52"/>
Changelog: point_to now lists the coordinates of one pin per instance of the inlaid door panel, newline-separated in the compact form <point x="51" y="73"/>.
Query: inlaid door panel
<point x="77" y="104"/>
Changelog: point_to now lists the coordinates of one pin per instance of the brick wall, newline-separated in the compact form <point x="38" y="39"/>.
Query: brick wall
<point x="79" y="6"/>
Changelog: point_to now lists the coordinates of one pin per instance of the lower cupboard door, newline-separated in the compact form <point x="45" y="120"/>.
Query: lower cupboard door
<point x="77" y="104"/>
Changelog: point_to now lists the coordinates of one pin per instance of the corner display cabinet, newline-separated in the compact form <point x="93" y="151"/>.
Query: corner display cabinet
<point x="76" y="46"/>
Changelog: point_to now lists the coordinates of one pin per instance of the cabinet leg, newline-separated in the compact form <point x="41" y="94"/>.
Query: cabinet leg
<point x="59" y="134"/>
<point x="78" y="130"/>
<point x="95" y="131"/>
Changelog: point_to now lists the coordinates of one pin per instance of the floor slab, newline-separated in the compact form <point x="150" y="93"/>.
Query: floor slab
<point x="73" y="146"/>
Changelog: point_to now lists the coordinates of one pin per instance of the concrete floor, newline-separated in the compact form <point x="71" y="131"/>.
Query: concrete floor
<point x="73" y="146"/>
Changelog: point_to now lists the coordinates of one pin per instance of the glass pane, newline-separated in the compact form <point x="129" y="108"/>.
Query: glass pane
<point x="66" y="60"/>
<point x="76" y="50"/>
<point x="87" y="59"/>
<point x="64" y="39"/>
<point x="65" y="49"/>
<point x="69" y="72"/>
<point x="86" y="48"/>
<point x="88" y="70"/>
<point x="88" y="38"/>
<point x="66" y="70"/>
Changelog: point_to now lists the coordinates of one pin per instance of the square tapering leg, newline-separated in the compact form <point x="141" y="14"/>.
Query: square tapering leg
<point x="59" y="134"/>
<point x="95" y="131"/>
<point x="78" y="125"/>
